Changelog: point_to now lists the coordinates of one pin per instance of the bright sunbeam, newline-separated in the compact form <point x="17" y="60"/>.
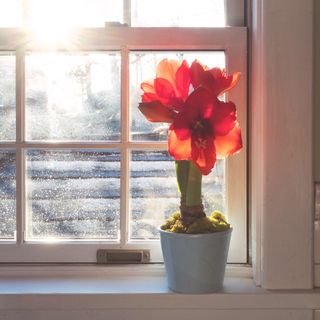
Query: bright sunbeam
<point x="49" y="21"/>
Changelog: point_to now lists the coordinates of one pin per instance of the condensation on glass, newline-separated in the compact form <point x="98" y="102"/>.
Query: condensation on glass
<point x="73" y="96"/>
<point x="7" y="194"/>
<point x="142" y="67"/>
<point x="154" y="194"/>
<point x="7" y="97"/>
<point x="178" y="13"/>
<point x="72" y="194"/>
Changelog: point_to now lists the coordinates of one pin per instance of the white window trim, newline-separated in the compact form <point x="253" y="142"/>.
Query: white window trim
<point x="281" y="248"/>
<point x="232" y="40"/>
<point x="281" y="143"/>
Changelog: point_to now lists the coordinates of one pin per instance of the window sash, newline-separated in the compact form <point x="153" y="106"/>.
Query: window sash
<point x="231" y="40"/>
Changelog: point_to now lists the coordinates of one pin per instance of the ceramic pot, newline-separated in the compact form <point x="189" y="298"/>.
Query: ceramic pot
<point x="195" y="263"/>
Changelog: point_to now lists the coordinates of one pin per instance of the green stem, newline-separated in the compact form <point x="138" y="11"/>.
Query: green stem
<point x="193" y="194"/>
<point x="189" y="179"/>
<point x="182" y="173"/>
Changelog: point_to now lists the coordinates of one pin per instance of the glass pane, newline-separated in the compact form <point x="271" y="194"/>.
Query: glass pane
<point x="73" y="194"/>
<point x="154" y="193"/>
<point x="7" y="97"/>
<point x="10" y="13"/>
<point x="7" y="194"/>
<point x="72" y="13"/>
<point x="178" y="13"/>
<point x="73" y="96"/>
<point x="143" y="67"/>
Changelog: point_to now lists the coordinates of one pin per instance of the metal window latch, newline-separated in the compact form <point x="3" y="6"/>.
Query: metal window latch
<point x="108" y="24"/>
<point x="106" y="256"/>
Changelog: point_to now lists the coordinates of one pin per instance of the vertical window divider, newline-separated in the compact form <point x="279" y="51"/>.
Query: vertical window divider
<point x="20" y="138"/>
<point x="125" y="124"/>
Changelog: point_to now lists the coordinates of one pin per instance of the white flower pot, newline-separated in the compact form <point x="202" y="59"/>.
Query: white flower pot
<point x="195" y="263"/>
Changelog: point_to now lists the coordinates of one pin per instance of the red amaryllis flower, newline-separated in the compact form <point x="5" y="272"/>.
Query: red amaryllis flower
<point x="205" y="129"/>
<point x="167" y="93"/>
<point x="214" y="79"/>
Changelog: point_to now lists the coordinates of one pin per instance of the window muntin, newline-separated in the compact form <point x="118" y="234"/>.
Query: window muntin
<point x="126" y="41"/>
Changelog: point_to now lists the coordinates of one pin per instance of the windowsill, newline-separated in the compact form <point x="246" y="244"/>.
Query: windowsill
<point x="131" y="286"/>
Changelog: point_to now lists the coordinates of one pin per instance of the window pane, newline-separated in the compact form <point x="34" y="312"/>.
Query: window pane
<point x="10" y="13"/>
<point x="178" y="13"/>
<point x="7" y="97"/>
<point x="73" y="13"/>
<point x="143" y="67"/>
<point x="154" y="193"/>
<point x="73" y="194"/>
<point x="7" y="194"/>
<point x="73" y="96"/>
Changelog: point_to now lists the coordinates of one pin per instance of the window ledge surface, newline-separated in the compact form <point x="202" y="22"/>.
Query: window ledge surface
<point x="128" y="287"/>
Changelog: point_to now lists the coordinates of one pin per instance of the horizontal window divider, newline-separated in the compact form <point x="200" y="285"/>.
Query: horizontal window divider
<point x="148" y="145"/>
<point x="68" y="252"/>
<point x="115" y="38"/>
<point x="8" y="145"/>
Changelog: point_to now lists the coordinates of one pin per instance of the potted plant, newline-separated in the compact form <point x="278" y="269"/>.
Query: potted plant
<point x="202" y="129"/>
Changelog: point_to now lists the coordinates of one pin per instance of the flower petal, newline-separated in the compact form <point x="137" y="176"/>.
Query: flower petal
<point x="182" y="80"/>
<point x="164" y="88"/>
<point x="149" y="97"/>
<point x="181" y="126"/>
<point x="221" y="82"/>
<point x="148" y="86"/>
<point x="204" y="158"/>
<point x="196" y="72"/>
<point x="230" y="143"/>
<point x="167" y="69"/>
<point x="156" y="112"/>
<point x="179" y="149"/>
<point x="199" y="104"/>
<point x="224" y="117"/>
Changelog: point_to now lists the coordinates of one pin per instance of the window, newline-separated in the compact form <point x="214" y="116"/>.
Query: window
<point x="80" y="168"/>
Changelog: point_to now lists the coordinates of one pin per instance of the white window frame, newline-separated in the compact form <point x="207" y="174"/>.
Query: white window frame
<point x="281" y="170"/>
<point x="232" y="40"/>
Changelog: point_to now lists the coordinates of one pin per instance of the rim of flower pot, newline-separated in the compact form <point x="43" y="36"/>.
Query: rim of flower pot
<point x="196" y="235"/>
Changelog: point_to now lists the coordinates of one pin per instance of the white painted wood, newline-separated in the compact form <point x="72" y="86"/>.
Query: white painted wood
<point x="316" y="87"/>
<point x="236" y="165"/>
<point x="131" y="292"/>
<point x="317" y="275"/>
<point x="231" y="40"/>
<point x="157" y="314"/>
<point x="256" y="126"/>
<point x="281" y="163"/>
<point x="235" y="12"/>
<point x="317" y="200"/>
<point x="125" y="153"/>
<point x="114" y="38"/>
<point x="316" y="247"/>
